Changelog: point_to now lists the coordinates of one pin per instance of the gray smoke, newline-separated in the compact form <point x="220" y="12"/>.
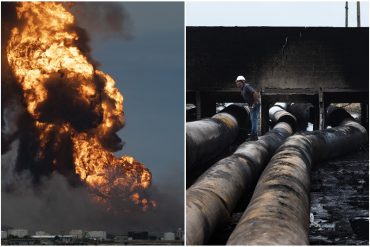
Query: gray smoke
<point x="56" y="206"/>
<point x="103" y="21"/>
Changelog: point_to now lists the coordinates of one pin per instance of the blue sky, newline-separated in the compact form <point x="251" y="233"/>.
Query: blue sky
<point x="276" y="13"/>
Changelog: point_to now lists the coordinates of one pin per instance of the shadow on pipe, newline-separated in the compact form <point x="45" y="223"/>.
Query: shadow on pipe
<point x="212" y="198"/>
<point x="304" y="112"/>
<point x="278" y="114"/>
<point x="278" y="213"/>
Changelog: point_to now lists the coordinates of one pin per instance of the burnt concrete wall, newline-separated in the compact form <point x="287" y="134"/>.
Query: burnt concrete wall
<point x="277" y="57"/>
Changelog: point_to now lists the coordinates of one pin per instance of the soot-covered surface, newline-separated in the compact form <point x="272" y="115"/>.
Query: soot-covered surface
<point x="340" y="201"/>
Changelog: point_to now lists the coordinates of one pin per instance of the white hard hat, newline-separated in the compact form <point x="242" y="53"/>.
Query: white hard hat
<point x="240" y="78"/>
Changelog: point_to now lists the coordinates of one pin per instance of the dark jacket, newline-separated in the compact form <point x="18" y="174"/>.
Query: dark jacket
<point x="247" y="93"/>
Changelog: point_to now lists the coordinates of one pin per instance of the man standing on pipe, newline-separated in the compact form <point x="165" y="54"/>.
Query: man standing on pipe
<point x="253" y="99"/>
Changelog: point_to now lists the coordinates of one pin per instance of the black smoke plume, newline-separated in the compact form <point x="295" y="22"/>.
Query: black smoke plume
<point x="64" y="104"/>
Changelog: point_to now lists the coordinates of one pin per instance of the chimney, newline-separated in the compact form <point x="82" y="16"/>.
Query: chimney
<point x="358" y="14"/>
<point x="346" y="13"/>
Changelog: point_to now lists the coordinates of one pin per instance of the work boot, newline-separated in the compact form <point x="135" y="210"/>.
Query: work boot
<point x="254" y="138"/>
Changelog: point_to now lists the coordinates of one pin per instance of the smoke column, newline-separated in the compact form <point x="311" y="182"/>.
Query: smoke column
<point x="60" y="115"/>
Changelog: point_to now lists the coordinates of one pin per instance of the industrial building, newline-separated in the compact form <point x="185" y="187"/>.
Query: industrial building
<point x="311" y="72"/>
<point x="77" y="233"/>
<point x="315" y="65"/>
<point x="82" y="237"/>
<point x="53" y="239"/>
<point x="41" y="233"/>
<point x="180" y="234"/>
<point x="169" y="236"/>
<point x="96" y="235"/>
<point x="20" y="233"/>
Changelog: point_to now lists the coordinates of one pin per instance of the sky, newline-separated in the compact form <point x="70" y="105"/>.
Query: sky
<point x="264" y="13"/>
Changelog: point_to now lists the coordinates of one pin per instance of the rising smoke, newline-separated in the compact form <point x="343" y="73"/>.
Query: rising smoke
<point x="110" y="20"/>
<point x="37" y="194"/>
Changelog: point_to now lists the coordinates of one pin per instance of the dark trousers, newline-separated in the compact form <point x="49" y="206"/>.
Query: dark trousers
<point x="254" y="114"/>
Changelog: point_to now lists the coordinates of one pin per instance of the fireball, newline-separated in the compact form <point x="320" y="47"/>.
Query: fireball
<point x="47" y="59"/>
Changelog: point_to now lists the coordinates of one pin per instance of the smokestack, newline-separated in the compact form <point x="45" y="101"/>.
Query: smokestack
<point x="358" y="14"/>
<point x="346" y="13"/>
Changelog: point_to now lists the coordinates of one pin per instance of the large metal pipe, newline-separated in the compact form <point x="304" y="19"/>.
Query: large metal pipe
<point x="211" y="199"/>
<point x="278" y="213"/>
<point x="278" y="114"/>
<point x="302" y="111"/>
<point x="208" y="137"/>
<point x="335" y="116"/>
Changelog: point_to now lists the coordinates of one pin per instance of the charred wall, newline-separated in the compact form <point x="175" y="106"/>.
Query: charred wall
<point x="277" y="57"/>
<point x="316" y="65"/>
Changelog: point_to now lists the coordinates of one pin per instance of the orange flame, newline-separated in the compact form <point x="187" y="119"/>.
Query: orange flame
<point x="45" y="46"/>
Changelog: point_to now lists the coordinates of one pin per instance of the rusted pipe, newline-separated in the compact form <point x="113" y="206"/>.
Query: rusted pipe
<point x="211" y="199"/>
<point x="278" y="114"/>
<point x="278" y="213"/>
<point x="301" y="111"/>
<point x="208" y="137"/>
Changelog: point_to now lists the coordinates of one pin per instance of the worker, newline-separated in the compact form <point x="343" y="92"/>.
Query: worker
<point x="253" y="99"/>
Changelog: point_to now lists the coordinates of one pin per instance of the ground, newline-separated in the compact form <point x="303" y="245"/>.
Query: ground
<point x="340" y="201"/>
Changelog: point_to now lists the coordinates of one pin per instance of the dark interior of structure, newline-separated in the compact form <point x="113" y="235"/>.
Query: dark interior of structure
<point x="318" y="65"/>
